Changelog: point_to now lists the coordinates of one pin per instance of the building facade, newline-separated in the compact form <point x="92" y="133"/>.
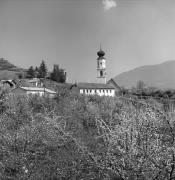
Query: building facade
<point x="101" y="66"/>
<point x="40" y="91"/>
<point x="94" y="89"/>
<point x="102" y="88"/>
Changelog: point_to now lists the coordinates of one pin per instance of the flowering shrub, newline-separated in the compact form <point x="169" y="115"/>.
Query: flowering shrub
<point x="86" y="137"/>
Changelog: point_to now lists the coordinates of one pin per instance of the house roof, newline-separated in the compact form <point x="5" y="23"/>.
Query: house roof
<point x="34" y="80"/>
<point x="24" y="83"/>
<point x="10" y="82"/>
<point x="38" y="89"/>
<point x="94" y="86"/>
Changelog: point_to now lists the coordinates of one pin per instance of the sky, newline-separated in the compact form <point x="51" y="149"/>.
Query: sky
<point x="69" y="32"/>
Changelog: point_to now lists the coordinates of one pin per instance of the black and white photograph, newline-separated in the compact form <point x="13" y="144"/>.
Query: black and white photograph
<point x="87" y="89"/>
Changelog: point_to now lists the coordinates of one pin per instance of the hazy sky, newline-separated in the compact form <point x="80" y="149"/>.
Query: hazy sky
<point x="68" y="33"/>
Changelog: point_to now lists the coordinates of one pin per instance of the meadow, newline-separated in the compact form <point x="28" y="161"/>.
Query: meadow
<point x="86" y="137"/>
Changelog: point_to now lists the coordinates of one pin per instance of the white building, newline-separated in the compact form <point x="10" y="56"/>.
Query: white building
<point x="101" y="66"/>
<point x="41" y="91"/>
<point x="36" y="82"/>
<point x="101" y="88"/>
<point x="94" y="89"/>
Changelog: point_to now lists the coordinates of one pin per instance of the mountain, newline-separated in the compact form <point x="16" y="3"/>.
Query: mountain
<point x="8" y="70"/>
<point x="160" y="75"/>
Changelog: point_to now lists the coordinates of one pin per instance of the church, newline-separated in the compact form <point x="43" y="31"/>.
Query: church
<point x="103" y="88"/>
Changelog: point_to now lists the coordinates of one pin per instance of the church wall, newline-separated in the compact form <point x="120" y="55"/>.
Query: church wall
<point x="100" y="92"/>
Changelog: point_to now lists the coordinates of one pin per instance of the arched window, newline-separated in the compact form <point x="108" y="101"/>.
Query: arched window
<point x="101" y="73"/>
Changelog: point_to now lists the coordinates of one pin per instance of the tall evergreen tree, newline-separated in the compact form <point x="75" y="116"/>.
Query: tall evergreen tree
<point x="30" y="72"/>
<point x="42" y="70"/>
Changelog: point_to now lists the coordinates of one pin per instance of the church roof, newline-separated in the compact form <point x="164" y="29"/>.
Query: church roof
<point x="101" y="53"/>
<point x="94" y="86"/>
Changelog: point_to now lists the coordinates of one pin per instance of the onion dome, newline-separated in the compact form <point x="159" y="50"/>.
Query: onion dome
<point x="100" y="53"/>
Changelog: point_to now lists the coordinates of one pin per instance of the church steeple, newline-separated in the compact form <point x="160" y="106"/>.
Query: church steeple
<point x="100" y="53"/>
<point x="101" y="66"/>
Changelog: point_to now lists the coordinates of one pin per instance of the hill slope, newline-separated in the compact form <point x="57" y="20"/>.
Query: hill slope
<point x="159" y="75"/>
<point x="8" y="70"/>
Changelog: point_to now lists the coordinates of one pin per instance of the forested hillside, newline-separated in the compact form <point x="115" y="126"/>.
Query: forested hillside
<point x="9" y="71"/>
<point x="85" y="137"/>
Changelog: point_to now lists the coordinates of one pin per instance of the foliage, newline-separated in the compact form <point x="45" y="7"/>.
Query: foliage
<point x="5" y="65"/>
<point x="42" y="72"/>
<point x="58" y="74"/>
<point x="85" y="137"/>
<point x="30" y="72"/>
<point x="140" y="85"/>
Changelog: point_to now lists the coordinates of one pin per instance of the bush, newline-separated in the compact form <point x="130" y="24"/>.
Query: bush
<point x="86" y="137"/>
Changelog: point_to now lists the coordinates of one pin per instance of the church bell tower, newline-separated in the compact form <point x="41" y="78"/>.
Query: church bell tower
<point x="101" y="66"/>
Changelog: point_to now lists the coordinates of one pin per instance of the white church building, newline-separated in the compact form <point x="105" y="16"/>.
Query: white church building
<point x="103" y="88"/>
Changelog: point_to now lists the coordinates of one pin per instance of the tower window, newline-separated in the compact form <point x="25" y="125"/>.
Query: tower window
<point x="101" y="73"/>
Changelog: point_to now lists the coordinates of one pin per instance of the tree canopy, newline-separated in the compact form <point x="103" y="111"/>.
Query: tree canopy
<point x="58" y="74"/>
<point x="31" y="72"/>
<point x="42" y="71"/>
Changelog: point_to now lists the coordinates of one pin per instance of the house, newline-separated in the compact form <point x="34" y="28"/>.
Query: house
<point x="33" y="91"/>
<point x="94" y="88"/>
<point x="36" y="82"/>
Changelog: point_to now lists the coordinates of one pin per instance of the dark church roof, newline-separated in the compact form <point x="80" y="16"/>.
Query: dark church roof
<point x="93" y="86"/>
<point x="100" y="53"/>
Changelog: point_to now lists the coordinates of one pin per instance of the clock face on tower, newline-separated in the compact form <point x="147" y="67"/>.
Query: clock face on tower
<point x="101" y="64"/>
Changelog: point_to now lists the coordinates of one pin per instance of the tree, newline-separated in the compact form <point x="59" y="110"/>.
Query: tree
<point x="31" y="72"/>
<point x="36" y="71"/>
<point x="42" y="70"/>
<point x="140" y="85"/>
<point x="57" y="74"/>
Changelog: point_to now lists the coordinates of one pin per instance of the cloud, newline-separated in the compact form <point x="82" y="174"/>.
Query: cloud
<point x="108" y="4"/>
